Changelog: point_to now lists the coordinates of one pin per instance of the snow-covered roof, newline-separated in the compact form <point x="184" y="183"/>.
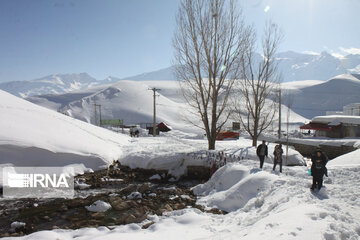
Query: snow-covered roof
<point x="332" y="119"/>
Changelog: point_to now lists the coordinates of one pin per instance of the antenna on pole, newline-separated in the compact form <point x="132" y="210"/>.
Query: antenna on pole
<point x="154" y="114"/>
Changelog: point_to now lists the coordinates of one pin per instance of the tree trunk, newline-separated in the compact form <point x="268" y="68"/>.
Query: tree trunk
<point x="254" y="141"/>
<point x="211" y="143"/>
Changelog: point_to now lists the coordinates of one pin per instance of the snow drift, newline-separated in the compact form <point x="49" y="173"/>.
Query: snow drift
<point x="36" y="136"/>
<point x="233" y="186"/>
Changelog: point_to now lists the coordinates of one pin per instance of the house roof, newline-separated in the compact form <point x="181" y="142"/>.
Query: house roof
<point x="336" y="119"/>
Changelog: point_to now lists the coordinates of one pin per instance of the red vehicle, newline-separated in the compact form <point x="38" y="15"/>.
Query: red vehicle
<point x="228" y="134"/>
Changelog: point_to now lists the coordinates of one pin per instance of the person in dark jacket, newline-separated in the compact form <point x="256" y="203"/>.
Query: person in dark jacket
<point x="261" y="152"/>
<point x="278" y="151"/>
<point x="318" y="168"/>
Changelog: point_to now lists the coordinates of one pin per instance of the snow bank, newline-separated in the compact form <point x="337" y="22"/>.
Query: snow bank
<point x="68" y="170"/>
<point x="233" y="186"/>
<point x="223" y="179"/>
<point x="346" y="160"/>
<point x="33" y="135"/>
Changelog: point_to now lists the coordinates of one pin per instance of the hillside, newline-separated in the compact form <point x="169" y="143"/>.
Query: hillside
<point x="332" y="95"/>
<point x="131" y="101"/>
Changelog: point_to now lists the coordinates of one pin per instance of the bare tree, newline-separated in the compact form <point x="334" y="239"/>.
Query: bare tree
<point x="255" y="107"/>
<point x="210" y="40"/>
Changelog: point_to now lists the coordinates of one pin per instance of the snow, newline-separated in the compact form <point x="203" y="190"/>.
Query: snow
<point x="346" y="160"/>
<point x="315" y="100"/>
<point x="333" y="119"/>
<point x="15" y="225"/>
<point x="33" y="135"/>
<point x="155" y="177"/>
<point x="223" y="179"/>
<point x="134" y="195"/>
<point x="283" y="208"/>
<point x="299" y="84"/>
<point x="240" y="193"/>
<point x="262" y="204"/>
<point x="98" y="206"/>
<point x="132" y="102"/>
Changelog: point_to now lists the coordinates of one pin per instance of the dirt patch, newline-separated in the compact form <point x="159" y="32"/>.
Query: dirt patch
<point x="130" y="193"/>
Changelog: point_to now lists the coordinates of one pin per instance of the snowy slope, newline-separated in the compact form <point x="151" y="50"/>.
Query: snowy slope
<point x="331" y="95"/>
<point x="32" y="135"/>
<point x="162" y="74"/>
<point x="132" y="101"/>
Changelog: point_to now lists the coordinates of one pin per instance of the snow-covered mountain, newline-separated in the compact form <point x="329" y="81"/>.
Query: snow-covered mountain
<point x="162" y="74"/>
<point x="314" y="98"/>
<point x="52" y="84"/>
<point x="293" y="66"/>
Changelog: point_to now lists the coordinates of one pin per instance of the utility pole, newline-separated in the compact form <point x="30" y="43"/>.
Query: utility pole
<point x="154" y="115"/>
<point x="279" y="133"/>
<point x="95" y="114"/>
<point x="99" y="113"/>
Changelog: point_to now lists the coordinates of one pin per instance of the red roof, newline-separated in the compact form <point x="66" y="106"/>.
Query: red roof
<point x="163" y="127"/>
<point x="319" y="126"/>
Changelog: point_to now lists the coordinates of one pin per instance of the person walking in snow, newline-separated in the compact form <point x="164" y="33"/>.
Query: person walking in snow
<point x="318" y="168"/>
<point x="261" y="152"/>
<point x="278" y="151"/>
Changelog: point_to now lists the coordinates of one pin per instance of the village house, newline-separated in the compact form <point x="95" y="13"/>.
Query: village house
<point x="334" y="126"/>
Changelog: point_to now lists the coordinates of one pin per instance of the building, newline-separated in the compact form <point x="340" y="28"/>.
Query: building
<point x="334" y="126"/>
<point x="352" y="109"/>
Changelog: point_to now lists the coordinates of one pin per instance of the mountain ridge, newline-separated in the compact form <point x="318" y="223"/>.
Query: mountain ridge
<point x="293" y="66"/>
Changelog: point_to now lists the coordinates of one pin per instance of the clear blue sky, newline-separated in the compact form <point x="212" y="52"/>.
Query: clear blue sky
<point x="127" y="37"/>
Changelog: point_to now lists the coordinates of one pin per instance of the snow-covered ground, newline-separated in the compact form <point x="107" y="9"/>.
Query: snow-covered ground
<point x="261" y="204"/>
<point x="31" y="135"/>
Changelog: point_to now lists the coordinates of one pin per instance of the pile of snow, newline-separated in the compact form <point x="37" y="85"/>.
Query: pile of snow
<point x="31" y="135"/>
<point x="346" y="160"/>
<point x="233" y="186"/>
<point x="155" y="177"/>
<point x="98" y="206"/>
<point x="223" y="179"/>
<point x="15" y="225"/>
